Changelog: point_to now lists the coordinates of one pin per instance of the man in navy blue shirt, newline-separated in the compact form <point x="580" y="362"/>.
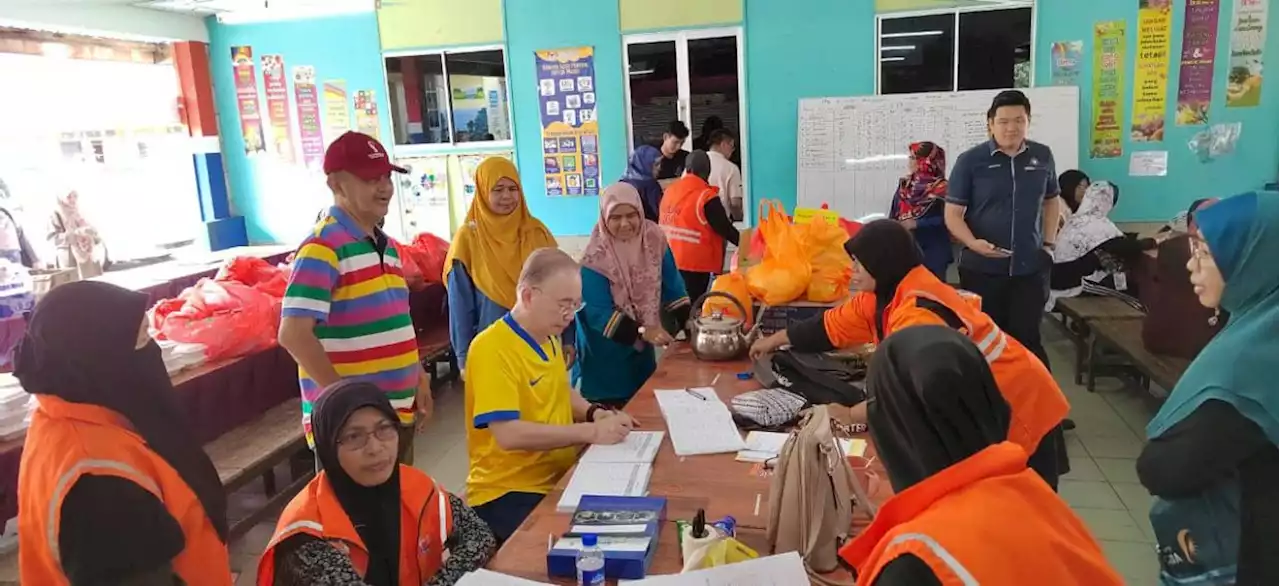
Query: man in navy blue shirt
<point x="1002" y="205"/>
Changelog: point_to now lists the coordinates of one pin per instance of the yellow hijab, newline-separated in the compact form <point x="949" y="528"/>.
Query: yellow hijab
<point x="493" y="248"/>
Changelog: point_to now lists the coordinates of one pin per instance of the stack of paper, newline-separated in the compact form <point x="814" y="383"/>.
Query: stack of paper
<point x="784" y="569"/>
<point x="766" y="445"/>
<point x="604" y="479"/>
<point x="484" y="577"/>
<point x="640" y="447"/>
<point x="699" y="422"/>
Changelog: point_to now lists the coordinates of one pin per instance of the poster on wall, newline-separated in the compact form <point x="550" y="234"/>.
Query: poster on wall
<point x="468" y="163"/>
<point x="336" y="120"/>
<point x="308" y="103"/>
<point x="424" y="195"/>
<point x="246" y="84"/>
<point x="1151" y="71"/>
<point x="277" y="91"/>
<point x="366" y="113"/>
<point x="1106" y="138"/>
<point x="1066" y="62"/>
<point x="1195" y="74"/>
<point x="570" y="133"/>
<point x="1248" y="41"/>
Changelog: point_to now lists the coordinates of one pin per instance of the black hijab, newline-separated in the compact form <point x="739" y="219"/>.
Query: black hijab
<point x="1068" y="181"/>
<point x="80" y="347"/>
<point x="932" y="403"/>
<point x="887" y="251"/>
<point x="373" y="510"/>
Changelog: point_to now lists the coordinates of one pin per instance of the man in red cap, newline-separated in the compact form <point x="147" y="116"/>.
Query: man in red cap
<point x="346" y="310"/>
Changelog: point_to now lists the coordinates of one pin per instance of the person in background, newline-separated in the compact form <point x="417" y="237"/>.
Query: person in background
<point x="703" y="141"/>
<point x="1092" y="253"/>
<point x="345" y="312"/>
<point x="113" y="488"/>
<point x="940" y="425"/>
<point x="642" y="172"/>
<point x="1002" y="205"/>
<point x="525" y="424"/>
<point x="73" y="237"/>
<point x="1211" y="457"/>
<point x="487" y="252"/>
<point x="629" y="280"/>
<point x="671" y="144"/>
<point x="1072" y="183"/>
<point x="396" y="522"/>
<point x="697" y="225"/>
<point x="895" y="291"/>
<point x="725" y="175"/>
<point x="14" y="246"/>
<point x="918" y="204"/>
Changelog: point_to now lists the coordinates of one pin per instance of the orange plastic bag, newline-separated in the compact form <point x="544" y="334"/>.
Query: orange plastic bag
<point x="832" y="267"/>
<point x="256" y="273"/>
<point x="734" y="284"/>
<point x="783" y="275"/>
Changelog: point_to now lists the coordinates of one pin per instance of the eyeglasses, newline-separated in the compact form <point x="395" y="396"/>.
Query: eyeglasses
<point x="568" y="308"/>
<point x="357" y="440"/>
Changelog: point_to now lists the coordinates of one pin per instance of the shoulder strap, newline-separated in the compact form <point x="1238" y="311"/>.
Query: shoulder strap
<point x="948" y="317"/>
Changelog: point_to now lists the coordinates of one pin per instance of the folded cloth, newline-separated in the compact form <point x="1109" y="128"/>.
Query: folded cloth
<point x="768" y="407"/>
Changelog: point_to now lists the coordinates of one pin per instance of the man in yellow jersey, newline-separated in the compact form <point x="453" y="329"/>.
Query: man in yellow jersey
<point x="525" y="422"/>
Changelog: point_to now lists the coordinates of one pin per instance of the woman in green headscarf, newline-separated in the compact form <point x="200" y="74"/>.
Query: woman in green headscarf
<point x="1211" y="457"/>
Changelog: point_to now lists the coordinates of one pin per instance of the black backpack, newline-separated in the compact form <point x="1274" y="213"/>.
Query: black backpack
<point x="820" y="378"/>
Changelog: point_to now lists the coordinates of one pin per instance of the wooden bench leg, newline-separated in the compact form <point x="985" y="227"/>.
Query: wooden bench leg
<point x="1090" y="364"/>
<point x="269" y="482"/>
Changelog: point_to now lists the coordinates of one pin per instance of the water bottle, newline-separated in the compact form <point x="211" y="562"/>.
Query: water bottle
<point x="590" y="563"/>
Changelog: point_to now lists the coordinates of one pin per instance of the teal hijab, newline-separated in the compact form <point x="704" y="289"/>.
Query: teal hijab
<point x="1239" y="365"/>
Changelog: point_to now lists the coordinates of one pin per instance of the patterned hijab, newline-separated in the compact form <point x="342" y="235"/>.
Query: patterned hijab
<point x="926" y="186"/>
<point x="633" y="267"/>
<point x="1088" y="227"/>
<point x="493" y="247"/>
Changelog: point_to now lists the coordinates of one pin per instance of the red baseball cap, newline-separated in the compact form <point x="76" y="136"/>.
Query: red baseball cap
<point x="359" y="154"/>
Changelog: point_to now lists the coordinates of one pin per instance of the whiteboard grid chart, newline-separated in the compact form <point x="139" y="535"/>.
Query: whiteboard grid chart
<point x="852" y="151"/>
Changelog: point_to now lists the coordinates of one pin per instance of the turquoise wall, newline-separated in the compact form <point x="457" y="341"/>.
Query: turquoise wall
<point x="280" y="201"/>
<point x="799" y="49"/>
<point x="1158" y="198"/>
<point x="533" y="25"/>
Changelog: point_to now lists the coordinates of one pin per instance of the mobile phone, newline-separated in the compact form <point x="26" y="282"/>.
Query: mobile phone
<point x="1003" y="250"/>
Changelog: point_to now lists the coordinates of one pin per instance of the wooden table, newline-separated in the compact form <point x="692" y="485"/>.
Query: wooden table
<point x="716" y="483"/>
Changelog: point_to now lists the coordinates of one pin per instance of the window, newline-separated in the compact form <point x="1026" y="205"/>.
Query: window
<point x="955" y="51"/>
<point x="449" y="98"/>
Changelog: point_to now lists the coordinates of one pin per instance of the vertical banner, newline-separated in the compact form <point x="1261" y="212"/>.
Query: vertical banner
<point x="246" y="84"/>
<point x="1106" y="140"/>
<point x="1066" y="62"/>
<point x="336" y="120"/>
<point x="1195" y="75"/>
<point x="308" y="103"/>
<point x="570" y="134"/>
<point x="1248" y="41"/>
<point x="1151" y="71"/>
<point x="277" y="91"/>
<point x="366" y="113"/>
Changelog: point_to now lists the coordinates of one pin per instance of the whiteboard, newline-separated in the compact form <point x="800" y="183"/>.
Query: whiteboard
<point x="852" y="151"/>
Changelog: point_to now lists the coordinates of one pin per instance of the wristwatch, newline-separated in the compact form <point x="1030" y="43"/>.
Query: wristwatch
<point x="591" y="411"/>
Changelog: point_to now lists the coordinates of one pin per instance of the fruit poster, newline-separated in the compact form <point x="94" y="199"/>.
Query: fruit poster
<point x="366" y="113"/>
<point x="1195" y="75"/>
<point x="570" y="133"/>
<point x="307" y="99"/>
<point x="277" y="90"/>
<point x="1067" y="56"/>
<point x="1151" y="71"/>
<point x="336" y="119"/>
<point x="246" y="84"/>
<point x="1248" y="41"/>
<point x="1106" y="136"/>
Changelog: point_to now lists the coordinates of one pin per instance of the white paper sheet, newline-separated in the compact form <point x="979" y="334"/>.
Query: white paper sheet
<point x="604" y="479"/>
<point x="764" y="445"/>
<point x="699" y="422"/>
<point x="1149" y="164"/>
<point x="776" y="570"/>
<point x="484" y="577"/>
<point x="640" y="447"/>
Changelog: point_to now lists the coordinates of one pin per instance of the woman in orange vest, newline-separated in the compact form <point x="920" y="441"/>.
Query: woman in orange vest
<point x="966" y="508"/>
<point x="697" y="225"/>
<point x="895" y="291"/>
<point x="365" y="519"/>
<point x="112" y="488"/>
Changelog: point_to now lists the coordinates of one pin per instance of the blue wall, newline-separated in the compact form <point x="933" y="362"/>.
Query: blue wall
<point x="533" y="25"/>
<point x="1158" y="198"/>
<point x="799" y="49"/>
<point x="279" y="201"/>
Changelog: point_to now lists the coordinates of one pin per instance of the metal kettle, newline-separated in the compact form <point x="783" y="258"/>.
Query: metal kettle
<point x="717" y="336"/>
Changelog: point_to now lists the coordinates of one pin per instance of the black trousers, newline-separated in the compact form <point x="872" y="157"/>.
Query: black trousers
<point x="1050" y="458"/>
<point x="1015" y="303"/>
<point x="505" y="513"/>
<point x="695" y="284"/>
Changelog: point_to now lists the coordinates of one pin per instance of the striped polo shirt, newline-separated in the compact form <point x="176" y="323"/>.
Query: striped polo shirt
<point x="353" y="285"/>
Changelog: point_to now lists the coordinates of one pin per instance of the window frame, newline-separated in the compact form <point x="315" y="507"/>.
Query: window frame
<point x="452" y="146"/>
<point x="955" y="49"/>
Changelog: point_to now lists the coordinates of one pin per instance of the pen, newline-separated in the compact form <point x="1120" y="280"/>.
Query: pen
<point x="696" y="394"/>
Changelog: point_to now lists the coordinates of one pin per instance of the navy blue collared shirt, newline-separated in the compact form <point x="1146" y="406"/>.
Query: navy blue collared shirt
<point x="1004" y="198"/>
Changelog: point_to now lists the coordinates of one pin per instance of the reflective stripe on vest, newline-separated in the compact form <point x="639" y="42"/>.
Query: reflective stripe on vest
<point x="936" y="548"/>
<point x="80" y="468"/>
<point x="682" y="234"/>
<point x="992" y="345"/>
<point x="296" y="527"/>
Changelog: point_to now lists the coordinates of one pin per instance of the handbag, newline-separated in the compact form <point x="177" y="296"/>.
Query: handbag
<point x="821" y="379"/>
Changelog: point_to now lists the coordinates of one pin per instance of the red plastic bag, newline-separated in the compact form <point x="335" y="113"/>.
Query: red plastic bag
<point x="783" y="275"/>
<point x="257" y="273"/>
<point x="429" y="252"/>
<point x="413" y="276"/>
<point x="229" y="318"/>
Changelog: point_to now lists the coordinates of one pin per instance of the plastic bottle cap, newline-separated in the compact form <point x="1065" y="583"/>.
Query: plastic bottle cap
<point x="589" y="540"/>
<point x="744" y="376"/>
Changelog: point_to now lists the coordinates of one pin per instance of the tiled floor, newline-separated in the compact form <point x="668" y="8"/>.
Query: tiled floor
<point x="1102" y="487"/>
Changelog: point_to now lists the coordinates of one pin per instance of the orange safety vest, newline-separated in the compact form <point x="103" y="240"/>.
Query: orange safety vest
<point x="985" y="520"/>
<point x="68" y="440"/>
<point x="694" y="244"/>
<point x="1034" y="397"/>
<point x="426" y="520"/>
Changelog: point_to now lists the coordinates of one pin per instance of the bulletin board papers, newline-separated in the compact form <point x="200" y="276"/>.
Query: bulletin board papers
<point x="570" y="133"/>
<point x="1149" y="164"/>
<point x="699" y="422"/>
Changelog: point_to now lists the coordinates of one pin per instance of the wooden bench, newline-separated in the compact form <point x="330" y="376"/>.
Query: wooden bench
<point x="1074" y="316"/>
<point x="1124" y="338"/>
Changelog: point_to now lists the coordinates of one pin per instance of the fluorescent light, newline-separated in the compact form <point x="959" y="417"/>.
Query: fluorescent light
<point x="911" y="34"/>
<point x="898" y="48"/>
<point x="887" y="59"/>
<point x="876" y="158"/>
<point x="641" y="72"/>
